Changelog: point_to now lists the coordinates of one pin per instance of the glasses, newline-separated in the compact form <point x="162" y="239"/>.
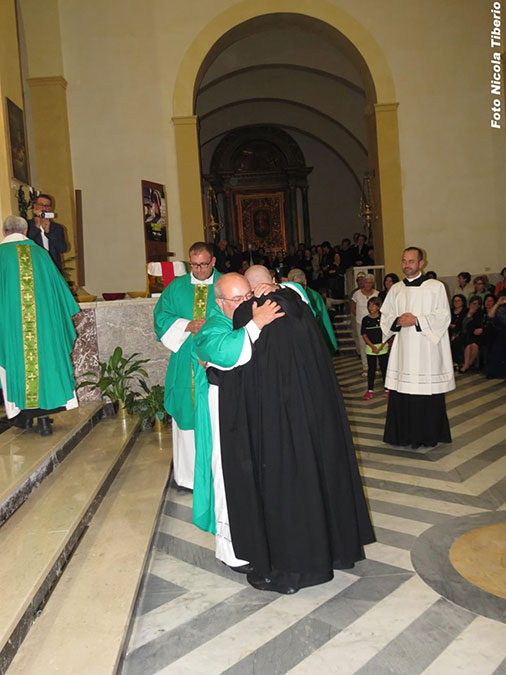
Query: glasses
<point x="200" y="266"/>
<point x="240" y="298"/>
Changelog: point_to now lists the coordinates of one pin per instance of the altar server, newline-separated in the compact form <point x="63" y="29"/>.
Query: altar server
<point x="420" y="368"/>
<point x="178" y="316"/>
<point x="36" y="331"/>
<point x="295" y="504"/>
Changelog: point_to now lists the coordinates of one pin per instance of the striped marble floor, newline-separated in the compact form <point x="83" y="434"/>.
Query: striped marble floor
<point x="405" y="610"/>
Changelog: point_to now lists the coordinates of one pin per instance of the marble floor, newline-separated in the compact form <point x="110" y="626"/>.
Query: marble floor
<point x="430" y="598"/>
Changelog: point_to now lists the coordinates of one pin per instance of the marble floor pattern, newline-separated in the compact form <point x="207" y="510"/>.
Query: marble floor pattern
<point x="405" y="610"/>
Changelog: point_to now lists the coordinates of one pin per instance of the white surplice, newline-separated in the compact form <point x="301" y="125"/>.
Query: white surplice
<point x="420" y="360"/>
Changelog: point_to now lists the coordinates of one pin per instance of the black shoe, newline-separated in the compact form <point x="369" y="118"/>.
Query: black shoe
<point x="21" y="422"/>
<point x="268" y="584"/>
<point x="242" y="569"/>
<point x="44" y="426"/>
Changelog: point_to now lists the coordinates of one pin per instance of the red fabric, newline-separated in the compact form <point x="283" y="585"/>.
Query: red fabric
<point x="167" y="273"/>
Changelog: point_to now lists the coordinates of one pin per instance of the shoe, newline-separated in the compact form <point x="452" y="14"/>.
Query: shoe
<point x="368" y="395"/>
<point x="267" y="584"/>
<point x="21" y="423"/>
<point x="242" y="569"/>
<point x="44" y="426"/>
<point x="387" y="393"/>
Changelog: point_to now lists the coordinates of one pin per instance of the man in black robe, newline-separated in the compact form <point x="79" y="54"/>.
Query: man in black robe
<point x="296" y="506"/>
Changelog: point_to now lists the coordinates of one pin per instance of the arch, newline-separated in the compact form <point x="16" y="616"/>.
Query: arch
<point x="373" y="61"/>
<point x="362" y="49"/>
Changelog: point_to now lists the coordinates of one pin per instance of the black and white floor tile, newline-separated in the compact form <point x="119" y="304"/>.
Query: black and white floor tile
<point x="405" y="610"/>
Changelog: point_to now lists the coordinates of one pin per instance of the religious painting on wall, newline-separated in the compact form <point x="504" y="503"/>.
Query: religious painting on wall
<point x="19" y="153"/>
<point x="154" y="209"/>
<point x="155" y="221"/>
<point x="261" y="220"/>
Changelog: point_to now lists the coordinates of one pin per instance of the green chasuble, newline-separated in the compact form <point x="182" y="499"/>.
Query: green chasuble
<point x="322" y="318"/>
<point x="183" y="300"/>
<point x="36" y="329"/>
<point x="216" y="343"/>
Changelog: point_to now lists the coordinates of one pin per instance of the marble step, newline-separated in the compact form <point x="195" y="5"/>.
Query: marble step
<point x="39" y="538"/>
<point x="26" y="458"/>
<point x="83" y="627"/>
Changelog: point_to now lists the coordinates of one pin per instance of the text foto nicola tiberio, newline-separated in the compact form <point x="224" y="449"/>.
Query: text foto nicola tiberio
<point x="496" y="82"/>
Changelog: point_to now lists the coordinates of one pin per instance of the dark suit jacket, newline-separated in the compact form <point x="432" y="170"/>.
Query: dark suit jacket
<point x="56" y="237"/>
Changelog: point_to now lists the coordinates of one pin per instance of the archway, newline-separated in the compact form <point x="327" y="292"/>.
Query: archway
<point x="349" y="35"/>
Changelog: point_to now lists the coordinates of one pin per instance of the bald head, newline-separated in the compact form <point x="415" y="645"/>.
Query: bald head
<point x="230" y="291"/>
<point x="258" y="274"/>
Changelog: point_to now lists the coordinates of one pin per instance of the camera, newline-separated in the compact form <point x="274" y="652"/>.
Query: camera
<point x="46" y="214"/>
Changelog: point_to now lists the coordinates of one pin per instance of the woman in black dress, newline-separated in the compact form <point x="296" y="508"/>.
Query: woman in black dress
<point x="457" y="334"/>
<point x="473" y="328"/>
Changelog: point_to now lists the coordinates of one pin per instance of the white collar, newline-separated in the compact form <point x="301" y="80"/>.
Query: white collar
<point x="414" y="278"/>
<point x="15" y="236"/>
<point x="207" y="281"/>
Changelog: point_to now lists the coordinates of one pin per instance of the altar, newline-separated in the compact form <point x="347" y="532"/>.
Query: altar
<point x="102" y="325"/>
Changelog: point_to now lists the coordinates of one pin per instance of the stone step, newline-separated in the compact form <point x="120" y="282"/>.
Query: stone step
<point x="84" y="624"/>
<point x="39" y="538"/>
<point x="26" y="458"/>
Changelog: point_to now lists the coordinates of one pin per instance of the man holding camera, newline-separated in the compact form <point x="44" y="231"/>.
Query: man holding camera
<point x="45" y="232"/>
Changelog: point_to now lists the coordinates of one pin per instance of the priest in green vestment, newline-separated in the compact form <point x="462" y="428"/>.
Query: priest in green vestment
<point x="218" y="345"/>
<point x="36" y="331"/>
<point x="317" y="304"/>
<point x="178" y="316"/>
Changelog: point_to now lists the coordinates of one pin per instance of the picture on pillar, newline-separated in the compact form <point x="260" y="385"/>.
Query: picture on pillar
<point x="261" y="220"/>
<point x="19" y="154"/>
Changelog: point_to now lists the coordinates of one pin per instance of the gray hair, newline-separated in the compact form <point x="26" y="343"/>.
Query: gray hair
<point x="296" y="275"/>
<point x="370" y="277"/>
<point x="15" y="224"/>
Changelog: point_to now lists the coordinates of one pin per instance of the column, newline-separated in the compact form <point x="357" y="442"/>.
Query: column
<point x="188" y="165"/>
<point x="305" y="216"/>
<point x="52" y="148"/>
<point x="293" y="215"/>
<point x="391" y="225"/>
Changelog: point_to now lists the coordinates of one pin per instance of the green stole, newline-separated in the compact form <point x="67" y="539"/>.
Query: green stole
<point x="29" y="326"/>
<point x="216" y="342"/>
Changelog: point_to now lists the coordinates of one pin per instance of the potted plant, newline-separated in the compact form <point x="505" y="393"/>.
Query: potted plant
<point x="114" y="378"/>
<point x="151" y="407"/>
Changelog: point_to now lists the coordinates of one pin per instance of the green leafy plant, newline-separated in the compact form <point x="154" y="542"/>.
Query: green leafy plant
<point x="151" y="406"/>
<point x="115" y="377"/>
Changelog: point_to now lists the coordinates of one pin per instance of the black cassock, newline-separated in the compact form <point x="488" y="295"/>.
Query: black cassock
<point x="296" y="504"/>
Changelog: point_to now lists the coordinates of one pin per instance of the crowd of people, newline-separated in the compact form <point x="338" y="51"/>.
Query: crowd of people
<point x="260" y="431"/>
<point x="478" y="325"/>
<point x="324" y="265"/>
<point x="477" y="329"/>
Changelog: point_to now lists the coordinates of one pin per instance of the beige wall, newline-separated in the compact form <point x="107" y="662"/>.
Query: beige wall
<point x="122" y="60"/>
<point x="10" y="87"/>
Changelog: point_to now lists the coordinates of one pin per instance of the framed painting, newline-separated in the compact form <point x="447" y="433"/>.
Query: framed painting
<point x="17" y="137"/>
<point x="261" y="220"/>
<point x="154" y="209"/>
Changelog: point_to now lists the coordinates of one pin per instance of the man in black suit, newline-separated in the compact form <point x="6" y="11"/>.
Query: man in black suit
<point x="45" y="232"/>
<point x="361" y="252"/>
